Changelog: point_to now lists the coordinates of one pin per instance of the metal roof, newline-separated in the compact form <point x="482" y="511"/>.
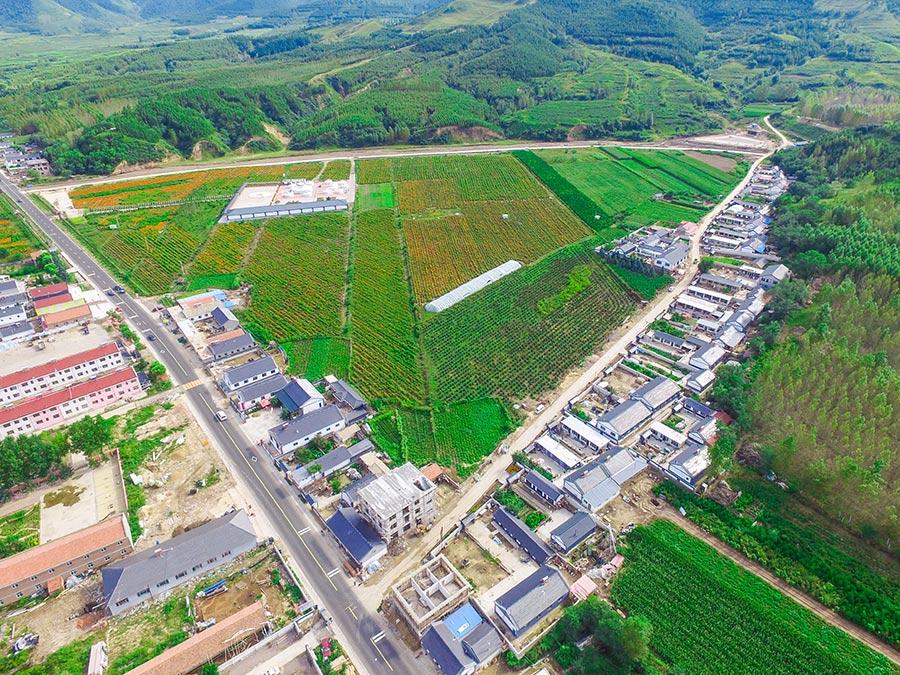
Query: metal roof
<point x="472" y="286"/>
<point x="289" y="209"/>
<point x="231" y="532"/>
<point x="296" y="393"/>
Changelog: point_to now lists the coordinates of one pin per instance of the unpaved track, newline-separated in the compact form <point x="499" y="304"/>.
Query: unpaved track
<point x="801" y="598"/>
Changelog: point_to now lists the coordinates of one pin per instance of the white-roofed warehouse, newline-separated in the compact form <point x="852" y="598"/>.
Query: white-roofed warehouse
<point x="463" y="291"/>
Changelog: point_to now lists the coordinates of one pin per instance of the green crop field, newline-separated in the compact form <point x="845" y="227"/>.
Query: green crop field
<point x="500" y="343"/>
<point x="624" y="183"/>
<point x="298" y="273"/>
<point x="465" y="215"/>
<point x="19" y="531"/>
<point x="386" y="362"/>
<point x="314" y="358"/>
<point x="719" y="618"/>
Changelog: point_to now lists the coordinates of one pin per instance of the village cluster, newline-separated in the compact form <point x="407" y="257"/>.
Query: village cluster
<point x="62" y="356"/>
<point x="542" y="537"/>
<point x="22" y="160"/>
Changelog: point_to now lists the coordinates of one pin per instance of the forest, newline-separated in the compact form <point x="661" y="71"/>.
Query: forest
<point x="299" y="77"/>
<point x="817" y="401"/>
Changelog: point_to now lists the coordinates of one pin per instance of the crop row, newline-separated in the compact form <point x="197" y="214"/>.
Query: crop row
<point x="225" y="249"/>
<point x="444" y="252"/>
<point x="499" y="343"/>
<point x="478" y="177"/>
<point x="719" y="618"/>
<point x="297" y="273"/>
<point x="193" y="184"/>
<point x="385" y="363"/>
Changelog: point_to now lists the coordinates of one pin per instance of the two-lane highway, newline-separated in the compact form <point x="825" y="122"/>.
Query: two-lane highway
<point x="372" y="649"/>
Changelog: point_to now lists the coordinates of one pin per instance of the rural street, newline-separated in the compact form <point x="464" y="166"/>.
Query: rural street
<point x="495" y="469"/>
<point x="365" y="635"/>
<point x="385" y="152"/>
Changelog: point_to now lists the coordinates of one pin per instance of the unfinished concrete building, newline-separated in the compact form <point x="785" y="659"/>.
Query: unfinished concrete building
<point x="430" y="592"/>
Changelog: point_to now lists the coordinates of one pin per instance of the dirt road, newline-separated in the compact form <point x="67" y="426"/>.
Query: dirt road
<point x="801" y="598"/>
<point x="495" y="468"/>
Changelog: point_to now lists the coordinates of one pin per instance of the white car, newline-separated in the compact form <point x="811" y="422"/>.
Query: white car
<point x="221" y="415"/>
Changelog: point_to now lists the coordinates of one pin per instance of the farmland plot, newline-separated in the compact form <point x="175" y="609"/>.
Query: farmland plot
<point x="16" y="240"/>
<point x="297" y="273"/>
<point x="148" y="248"/>
<point x="624" y="183"/>
<point x="386" y="363"/>
<point x="183" y="186"/>
<point x="500" y="343"/>
<point x="314" y="358"/>
<point x="719" y="618"/>
<point x="225" y="249"/>
<point x="465" y="215"/>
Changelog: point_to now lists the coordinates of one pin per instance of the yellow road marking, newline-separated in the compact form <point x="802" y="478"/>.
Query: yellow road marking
<point x="271" y="496"/>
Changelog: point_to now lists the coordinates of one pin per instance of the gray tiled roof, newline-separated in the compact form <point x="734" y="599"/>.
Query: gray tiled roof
<point x="574" y="531"/>
<point x="305" y="425"/>
<point x="347" y="394"/>
<point x="625" y="416"/>
<point x="231" y="532"/>
<point x="657" y="392"/>
<point x="532" y="598"/>
<point x="522" y="535"/>
<point x="261" y="388"/>
<point x="250" y="369"/>
<point x="244" y="342"/>
<point x="542" y="486"/>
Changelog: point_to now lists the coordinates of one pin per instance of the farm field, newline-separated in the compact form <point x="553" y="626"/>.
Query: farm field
<point x="189" y="185"/>
<point x="344" y="293"/>
<point x="386" y="363"/>
<point x="465" y="215"/>
<point x="20" y="531"/>
<point x="719" y="618"/>
<point x="623" y="182"/>
<point x="520" y="335"/>
<point x="148" y="248"/>
<point x="314" y="358"/>
<point x="298" y="273"/>
<point x="17" y="241"/>
<point x="804" y="548"/>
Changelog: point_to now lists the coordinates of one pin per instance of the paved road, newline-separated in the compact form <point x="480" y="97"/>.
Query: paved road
<point x="370" y="646"/>
<point x="415" y="151"/>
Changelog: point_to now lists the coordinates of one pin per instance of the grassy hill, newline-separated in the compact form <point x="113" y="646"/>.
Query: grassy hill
<point x="330" y="73"/>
